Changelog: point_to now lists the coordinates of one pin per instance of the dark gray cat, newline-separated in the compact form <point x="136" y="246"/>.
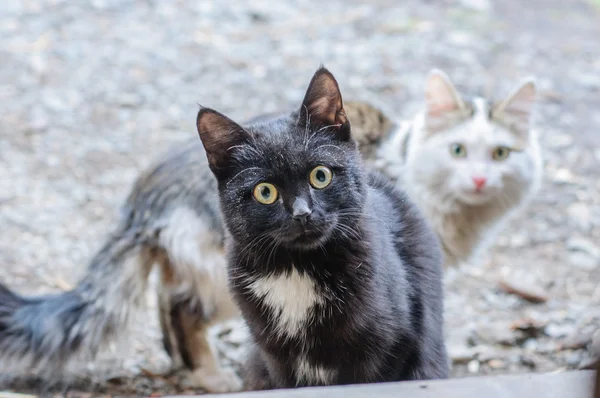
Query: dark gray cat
<point x="172" y="220"/>
<point x="335" y="271"/>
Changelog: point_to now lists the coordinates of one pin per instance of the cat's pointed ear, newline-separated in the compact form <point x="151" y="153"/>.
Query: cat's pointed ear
<point x="219" y="134"/>
<point x="516" y="110"/>
<point x="323" y="107"/>
<point x="440" y="95"/>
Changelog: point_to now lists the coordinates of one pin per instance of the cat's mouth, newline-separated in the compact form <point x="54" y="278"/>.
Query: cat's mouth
<point x="475" y="196"/>
<point x="307" y="237"/>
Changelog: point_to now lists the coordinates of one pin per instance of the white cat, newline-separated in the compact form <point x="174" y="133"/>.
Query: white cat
<point x="469" y="164"/>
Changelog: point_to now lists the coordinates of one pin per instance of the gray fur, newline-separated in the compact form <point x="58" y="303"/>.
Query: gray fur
<point x="43" y="334"/>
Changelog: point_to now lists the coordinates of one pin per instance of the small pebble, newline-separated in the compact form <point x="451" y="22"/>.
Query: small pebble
<point x="496" y="364"/>
<point x="473" y="366"/>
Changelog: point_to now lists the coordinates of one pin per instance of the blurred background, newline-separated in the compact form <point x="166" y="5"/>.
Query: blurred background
<point x="91" y="92"/>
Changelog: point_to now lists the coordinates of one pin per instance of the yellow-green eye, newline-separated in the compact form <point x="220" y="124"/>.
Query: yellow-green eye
<point x="320" y="177"/>
<point x="500" y="153"/>
<point x="458" y="150"/>
<point x="265" y="193"/>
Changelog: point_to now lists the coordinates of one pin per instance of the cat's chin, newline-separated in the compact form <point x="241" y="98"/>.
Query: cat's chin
<point x="308" y="240"/>
<point x="475" y="198"/>
<point x="305" y="245"/>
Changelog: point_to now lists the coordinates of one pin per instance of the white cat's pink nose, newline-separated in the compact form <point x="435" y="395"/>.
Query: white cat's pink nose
<point x="479" y="182"/>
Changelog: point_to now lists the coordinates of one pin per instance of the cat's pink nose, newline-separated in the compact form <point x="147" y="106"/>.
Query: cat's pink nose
<point x="479" y="182"/>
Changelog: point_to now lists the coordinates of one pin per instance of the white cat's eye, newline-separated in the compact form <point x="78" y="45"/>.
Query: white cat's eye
<point x="500" y="153"/>
<point x="320" y="177"/>
<point x="458" y="150"/>
<point x="265" y="193"/>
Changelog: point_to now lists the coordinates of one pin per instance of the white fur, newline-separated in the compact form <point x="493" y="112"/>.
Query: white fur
<point x="199" y="268"/>
<point x="313" y="374"/>
<point x="291" y="296"/>
<point x="442" y="185"/>
<point x="199" y="262"/>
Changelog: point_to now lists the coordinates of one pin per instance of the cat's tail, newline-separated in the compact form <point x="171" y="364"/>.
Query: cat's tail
<point x="43" y="334"/>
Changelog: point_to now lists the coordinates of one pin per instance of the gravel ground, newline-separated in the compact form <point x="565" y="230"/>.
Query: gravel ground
<point x="92" y="92"/>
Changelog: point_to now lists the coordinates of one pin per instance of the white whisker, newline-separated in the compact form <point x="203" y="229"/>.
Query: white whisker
<point x="243" y="171"/>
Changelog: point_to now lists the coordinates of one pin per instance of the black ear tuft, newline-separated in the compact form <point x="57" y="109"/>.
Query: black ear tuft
<point x="219" y="134"/>
<point x="323" y="107"/>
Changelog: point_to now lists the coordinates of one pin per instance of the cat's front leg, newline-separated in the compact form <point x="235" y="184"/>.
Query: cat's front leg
<point x="256" y="373"/>
<point x="432" y="364"/>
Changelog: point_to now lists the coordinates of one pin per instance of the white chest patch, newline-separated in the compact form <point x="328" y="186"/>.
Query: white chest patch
<point x="291" y="297"/>
<point x="305" y="372"/>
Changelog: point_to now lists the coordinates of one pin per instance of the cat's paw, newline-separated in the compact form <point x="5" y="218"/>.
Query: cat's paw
<point x="216" y="380"/>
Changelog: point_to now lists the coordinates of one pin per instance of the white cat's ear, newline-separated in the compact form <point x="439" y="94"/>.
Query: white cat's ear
<point x="516" y="110"/>
<point x="440" y="95"/>
<point x="219" y="134"/>
<point x="323" y="107"/>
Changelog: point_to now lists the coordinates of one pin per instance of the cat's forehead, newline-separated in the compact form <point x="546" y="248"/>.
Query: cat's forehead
<point x="283" y="134"/>
<point x="479" y="127"/>
<point x="481" y="119"/>
<point x="285" y="146"/>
